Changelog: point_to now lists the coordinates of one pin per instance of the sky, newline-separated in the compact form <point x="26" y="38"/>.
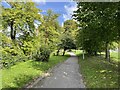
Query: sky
<point x="64" y="8"/>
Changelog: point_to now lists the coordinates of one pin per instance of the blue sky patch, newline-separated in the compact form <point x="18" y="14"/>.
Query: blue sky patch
<point x="65" y="9"/>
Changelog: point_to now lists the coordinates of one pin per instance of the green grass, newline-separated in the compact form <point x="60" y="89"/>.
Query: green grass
<point x="21" y="73"/>
<point x="115" y="57"/>
<point x="77" y="52"/>
<point x="98" y="73"/>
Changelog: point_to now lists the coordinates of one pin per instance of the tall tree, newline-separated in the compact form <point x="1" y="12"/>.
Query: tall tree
<point x="49" y="29"/>
<point x="97" y="23"/>
<point x="67" y="38"/>
<point x="19" y="17"/>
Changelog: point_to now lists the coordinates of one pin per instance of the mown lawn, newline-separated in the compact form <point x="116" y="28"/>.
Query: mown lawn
<point x="115" y="57"/>
<point x="21" y="73"/>
<point x="98" y="73"/>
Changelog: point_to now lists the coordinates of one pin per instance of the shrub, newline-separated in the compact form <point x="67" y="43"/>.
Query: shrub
<point x="11" y="52"/>
<point x="11" y="55"/>
<point x="42" y="54"/>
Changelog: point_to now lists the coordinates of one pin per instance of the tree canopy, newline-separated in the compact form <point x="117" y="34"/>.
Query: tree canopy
<point x="98" y="26"/>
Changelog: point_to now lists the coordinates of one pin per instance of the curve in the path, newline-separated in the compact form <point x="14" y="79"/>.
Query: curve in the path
<point x="64" y="76"/>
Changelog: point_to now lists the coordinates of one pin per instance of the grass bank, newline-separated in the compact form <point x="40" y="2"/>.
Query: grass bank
<point x="98" y="73"/>
<point x="114" y="57"/>
<point x="21" y="73"/>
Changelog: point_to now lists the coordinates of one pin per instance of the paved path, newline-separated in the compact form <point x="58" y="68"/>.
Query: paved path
<point x="64" y="76"/>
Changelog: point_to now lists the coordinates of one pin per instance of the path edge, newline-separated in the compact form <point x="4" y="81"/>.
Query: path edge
<point x="39" y="78"/>
<point x="83" y="79"/>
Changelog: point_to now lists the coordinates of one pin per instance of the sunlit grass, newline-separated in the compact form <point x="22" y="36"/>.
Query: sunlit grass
<point x="114" y="56"/>
<point x="0" y="79"/>
<point x="98" y="73"/>
<point x="77" y="52"/>
<point x="23" y="72"/>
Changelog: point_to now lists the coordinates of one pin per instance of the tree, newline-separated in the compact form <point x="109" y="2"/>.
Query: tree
<point x="70" y="28"/>
<point x="97" y="23"/>
<point x="67" y="37"/>
<point x="49" y="29"/>
<point x="67" y="43"/>
<point x="20" y="18"/>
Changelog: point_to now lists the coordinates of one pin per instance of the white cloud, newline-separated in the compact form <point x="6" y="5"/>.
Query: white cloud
<point x="43" y="2"/>
<point x="69" y="10"/>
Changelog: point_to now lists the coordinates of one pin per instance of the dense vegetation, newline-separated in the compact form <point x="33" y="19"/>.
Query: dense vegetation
<point x="21" y="40"/>
<point x="67" y="39"/>
<point x="98" y="27"/>
<point x="32" y="41"/>
<point x="28" y="42"/>
<point x="98" y="33"/>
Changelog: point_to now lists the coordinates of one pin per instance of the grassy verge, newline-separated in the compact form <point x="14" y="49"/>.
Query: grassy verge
<point x="98" y="73"/>
<point x="115" y="57"/>
<point x="77" y="52"/>
<point x="21" y="73"/>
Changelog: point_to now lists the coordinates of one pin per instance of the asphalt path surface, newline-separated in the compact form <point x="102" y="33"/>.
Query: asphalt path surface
<point x="64" y="76"/>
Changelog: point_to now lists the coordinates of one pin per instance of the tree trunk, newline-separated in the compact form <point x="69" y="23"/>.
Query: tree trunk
<point x="95" y="53"/>
<point x="100" y="54"/>
<point x="58" y="52"/>
<point x="83" y="55"/>
<point x="13" y="32"/>
<point x="89" y="52"/>
<point x="109" y="57"/>
<point x="64" y="52"/>
<point x="107" y="52"/>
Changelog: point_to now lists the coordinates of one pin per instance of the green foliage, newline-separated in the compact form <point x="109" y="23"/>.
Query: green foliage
<point x="70" y="25"/>
<point x="5" y="40"/>
<point x="98" y="26"/>
<point x="19" y="18"/>
<point x="27" y="48"/>
<point x="67" y="43"/>
<point x="31" y="43"/>
<point x="10" y="53"/>
<point x="11" y="56"/>
<point x="70" y="28"/>
<point x="42" y="54"/>
<point x="50" y="29"/>
<point x="67" y="38"/>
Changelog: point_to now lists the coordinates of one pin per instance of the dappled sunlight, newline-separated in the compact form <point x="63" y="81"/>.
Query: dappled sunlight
<point x="35" y="38"/>
<point x="97" y="72"/>
<point x="72" y="54"/>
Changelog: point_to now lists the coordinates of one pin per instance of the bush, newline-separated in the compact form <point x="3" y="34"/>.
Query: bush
<point x="11" y="55"/>
<point x="11" y="52"/>
<point x="42" y="54"/>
